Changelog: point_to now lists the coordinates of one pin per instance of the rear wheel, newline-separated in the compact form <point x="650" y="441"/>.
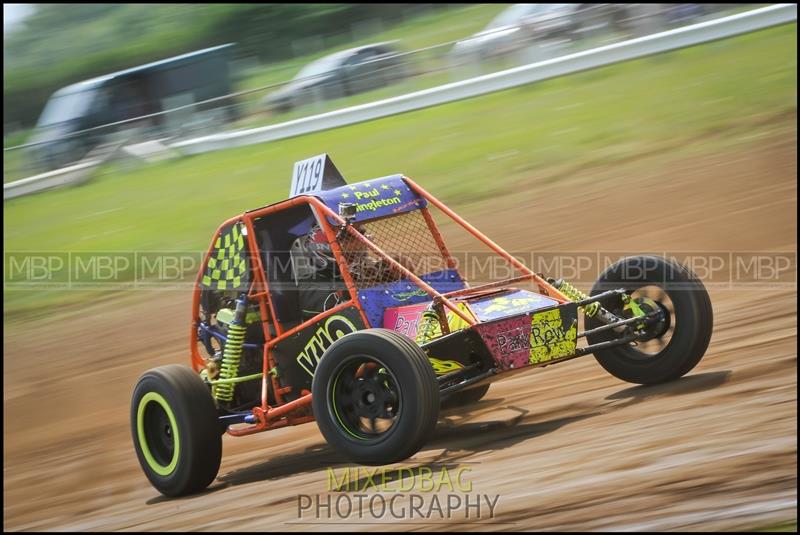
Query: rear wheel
<point x="175" y="430"/>
<point x="675" y="341"/>
<point x="375" y="397"/>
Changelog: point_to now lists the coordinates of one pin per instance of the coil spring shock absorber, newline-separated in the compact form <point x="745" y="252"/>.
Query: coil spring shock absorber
<point x="232" y="353"/>
<point x="428" y="322"/>
<point x="576" y="295"/>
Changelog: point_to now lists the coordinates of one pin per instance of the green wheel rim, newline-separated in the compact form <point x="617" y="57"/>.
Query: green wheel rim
<point x="336" y="411"/>
<point x="160" y="469"/>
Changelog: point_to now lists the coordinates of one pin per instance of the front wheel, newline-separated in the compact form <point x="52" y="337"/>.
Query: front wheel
<point x="676" y="340"/>
<point x="375" y="397"/>
<point x="175" y="430"/>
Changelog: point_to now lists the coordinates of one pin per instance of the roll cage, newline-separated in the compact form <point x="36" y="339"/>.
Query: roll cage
<point x="290" y="406"/>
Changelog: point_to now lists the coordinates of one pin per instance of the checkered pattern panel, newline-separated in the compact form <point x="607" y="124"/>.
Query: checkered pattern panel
<point x="228" y="267"/>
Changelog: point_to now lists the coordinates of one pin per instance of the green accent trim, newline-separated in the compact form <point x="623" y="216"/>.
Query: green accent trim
<point x="237" y="379"/>
<point x="231" y="356"/>
<point x="336" y="412"/>
<point x="440" y="367"/>
<point x="634" y="307"/>
<point x="576" y="295"/>
<point x="386" y="381"/>
<point x="225" y="315"/>
<point x="151" y="462"/>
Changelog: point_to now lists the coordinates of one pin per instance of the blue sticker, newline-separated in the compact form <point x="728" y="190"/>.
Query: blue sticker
<point x="377" y="299"/>
<point x="374" y="198"/>
<point x="509" y="304"/>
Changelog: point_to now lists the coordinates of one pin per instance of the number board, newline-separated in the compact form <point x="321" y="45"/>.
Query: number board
<point x="315" y="174"/>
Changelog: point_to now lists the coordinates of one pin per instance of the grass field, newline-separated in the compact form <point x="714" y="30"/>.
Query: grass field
<point x="13" y="164"/>
<point x="788" y="527"/>
<point x="463" y="151"/>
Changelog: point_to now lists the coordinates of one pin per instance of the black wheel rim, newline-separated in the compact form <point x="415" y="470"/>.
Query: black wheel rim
<point x="159" y="433"/>
<point x="364" y="398"/>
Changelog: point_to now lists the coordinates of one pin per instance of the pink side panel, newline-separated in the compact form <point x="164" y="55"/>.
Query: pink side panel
<point x="404" y="319"/>
<point x="509" y="341"/>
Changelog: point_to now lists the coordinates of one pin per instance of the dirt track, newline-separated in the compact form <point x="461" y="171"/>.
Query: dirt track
<point x="567" y="447"/>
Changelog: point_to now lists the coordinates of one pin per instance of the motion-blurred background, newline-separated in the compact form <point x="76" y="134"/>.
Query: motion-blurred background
<point x="690" y="151"/>
<point x="80" y="76"/>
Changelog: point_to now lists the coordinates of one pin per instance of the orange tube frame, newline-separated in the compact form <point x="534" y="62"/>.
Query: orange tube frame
<point x="282" y="414"/>
<point x="543" y="285"/>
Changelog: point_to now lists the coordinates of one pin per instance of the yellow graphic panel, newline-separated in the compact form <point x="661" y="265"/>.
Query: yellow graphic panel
<point x="440" y="367"/>
<point x="549" y="338"/>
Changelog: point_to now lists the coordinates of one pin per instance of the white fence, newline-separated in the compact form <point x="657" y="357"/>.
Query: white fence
<point x="749" y="21"/>
<point x="74" y="174"/>
<point x="66" y="176"/>
<point x="597" y="57"/>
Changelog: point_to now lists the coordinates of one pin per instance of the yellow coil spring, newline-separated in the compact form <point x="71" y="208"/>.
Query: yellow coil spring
<point x="230" y="362"/>
<point x="428" y="326"/>
<point x="577" y="295"/>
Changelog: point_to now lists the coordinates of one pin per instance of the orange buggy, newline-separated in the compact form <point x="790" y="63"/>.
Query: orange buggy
<point x="399" y="330"/>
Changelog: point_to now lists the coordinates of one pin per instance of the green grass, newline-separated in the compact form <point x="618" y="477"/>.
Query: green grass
<point x="14" y="165"/>
<point x="17" y="138"/>
<point x="459" y="150"/>
<point x="788" y="527"/>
